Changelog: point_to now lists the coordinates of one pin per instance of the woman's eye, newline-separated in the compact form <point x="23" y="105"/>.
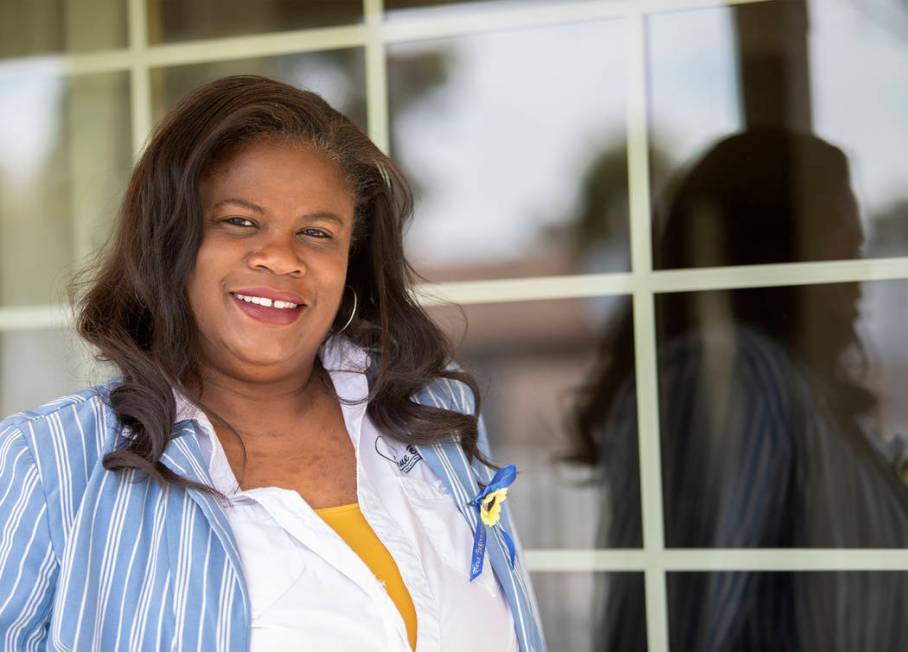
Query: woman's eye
<point x="317" y="233"/>
<point x="238" y="221"/>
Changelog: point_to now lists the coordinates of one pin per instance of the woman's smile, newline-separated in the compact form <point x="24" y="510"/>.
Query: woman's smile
<point x="269" y="306"/>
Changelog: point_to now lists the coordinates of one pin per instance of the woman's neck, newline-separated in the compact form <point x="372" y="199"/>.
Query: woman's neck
<point x="262" y="407"/>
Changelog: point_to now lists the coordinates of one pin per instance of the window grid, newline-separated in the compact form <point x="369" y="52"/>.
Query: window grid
<point x="656" y="599"/>
<point x="718" y="559"/>
<point x="580" y="286"/>
<point x="468" y="21"/>
<point x="376" y="76"/>
<point x="139" y="75"/>
<point x="642" y="283"/>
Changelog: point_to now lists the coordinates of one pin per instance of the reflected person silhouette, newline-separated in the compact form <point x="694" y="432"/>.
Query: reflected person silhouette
<point x="767" y="430"/>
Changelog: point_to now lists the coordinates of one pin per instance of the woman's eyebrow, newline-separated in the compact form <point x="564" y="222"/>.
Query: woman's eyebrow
<point x="324" y="215"/>
<point x="240" y="202"/>
<point x="327" y="215"/>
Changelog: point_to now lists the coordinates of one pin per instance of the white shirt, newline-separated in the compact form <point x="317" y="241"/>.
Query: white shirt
<point x="309" y="590"/>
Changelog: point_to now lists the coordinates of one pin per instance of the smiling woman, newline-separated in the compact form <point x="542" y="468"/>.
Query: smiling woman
<point x="241" y="485"/>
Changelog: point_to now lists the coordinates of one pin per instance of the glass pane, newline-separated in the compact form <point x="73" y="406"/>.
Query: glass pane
<point x="788" y="612"/>
<point x="336" y="75"/>
<point x="515" y="143"/>
<point x="64" y="161"/>
<point x="589" y="612"/>
<point x="181" y="20"/>
<point x="39" y="366"/>
<point x="776" y="156"/>
<point x="859" y="51"/>
<point x="782" y="416"/>
<point x="532" y="361"/>
<point x="50" y="26"/>
<point x="693" y="87"/>
<point x="438" y="8"/>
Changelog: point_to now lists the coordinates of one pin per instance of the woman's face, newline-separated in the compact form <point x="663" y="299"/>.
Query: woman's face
<point x="270" y="272"/>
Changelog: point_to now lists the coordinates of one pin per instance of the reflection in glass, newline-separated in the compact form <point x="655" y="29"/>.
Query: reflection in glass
<point x="438" y="8"/>
<point x="568" y="600"/>
<point x="780" y="428"/>
<point x="800" y="66"/>
<point x="391" y="5"/>
<point x="766" y="195"/>
<point x="528" y="357"/>
<point x="693" y="86"/>
<point x="182" y="20"/>
<point x="788" y="612"/>
<point x="337" y="75"/>
<point x="64" y="160"/>
<point x="859" y="51"/>
<point x="37" y="366"/>
<point x="50" y="26"/>
<point x="515" y="143"/>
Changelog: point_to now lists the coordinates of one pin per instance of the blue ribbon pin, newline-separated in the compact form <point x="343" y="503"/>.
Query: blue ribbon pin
<point x="488" y="510"/>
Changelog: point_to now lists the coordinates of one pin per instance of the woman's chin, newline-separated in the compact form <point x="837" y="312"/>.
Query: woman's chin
<point x="267" y="361"/>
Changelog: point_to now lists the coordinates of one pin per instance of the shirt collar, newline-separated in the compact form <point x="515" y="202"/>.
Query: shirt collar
<point x="340" y="353"/>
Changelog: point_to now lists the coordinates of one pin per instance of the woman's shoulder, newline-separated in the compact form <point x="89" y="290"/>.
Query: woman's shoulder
<point x="87" y="399"/>
<point x="441" y="391"/>
<point x="81" y="420"/>
<point x="751" y="361"/>
<point x="448" y="393"/>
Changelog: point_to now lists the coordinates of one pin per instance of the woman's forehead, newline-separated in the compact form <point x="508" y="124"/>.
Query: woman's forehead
<point x="278" y="171"/>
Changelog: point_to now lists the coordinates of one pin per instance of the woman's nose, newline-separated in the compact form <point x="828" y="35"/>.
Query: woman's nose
<point x="278" y="256"/>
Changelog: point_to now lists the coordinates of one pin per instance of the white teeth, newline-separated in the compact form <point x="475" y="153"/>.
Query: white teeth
<point x="268" y="303"/>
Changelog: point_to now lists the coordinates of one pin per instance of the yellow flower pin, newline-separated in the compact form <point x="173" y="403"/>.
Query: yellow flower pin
<point x="488" y="503"/>
<point x="490" y="508"/>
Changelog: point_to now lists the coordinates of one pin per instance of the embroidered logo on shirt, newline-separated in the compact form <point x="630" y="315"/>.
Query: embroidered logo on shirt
<point x="405" y="462"/>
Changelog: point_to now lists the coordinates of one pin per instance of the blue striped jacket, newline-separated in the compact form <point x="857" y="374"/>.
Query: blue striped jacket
<point x="97" y="560"/>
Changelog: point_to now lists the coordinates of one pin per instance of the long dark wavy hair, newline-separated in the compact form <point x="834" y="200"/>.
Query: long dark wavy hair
<point x="132" y="303"/>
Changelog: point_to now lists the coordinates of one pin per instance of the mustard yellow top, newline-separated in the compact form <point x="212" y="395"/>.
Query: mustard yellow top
<point x="348" y="521"/>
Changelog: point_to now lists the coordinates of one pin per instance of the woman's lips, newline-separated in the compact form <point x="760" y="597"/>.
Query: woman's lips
<point x="269" y="293"/>
<point x="268" y="315"/>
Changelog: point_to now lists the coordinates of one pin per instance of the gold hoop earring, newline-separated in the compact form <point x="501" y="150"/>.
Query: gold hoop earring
<point x="352" y="312"/>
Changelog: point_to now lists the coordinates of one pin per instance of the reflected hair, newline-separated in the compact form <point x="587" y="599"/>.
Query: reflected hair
<point x="765" y="195"/>
<point x="133" y="306"/>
